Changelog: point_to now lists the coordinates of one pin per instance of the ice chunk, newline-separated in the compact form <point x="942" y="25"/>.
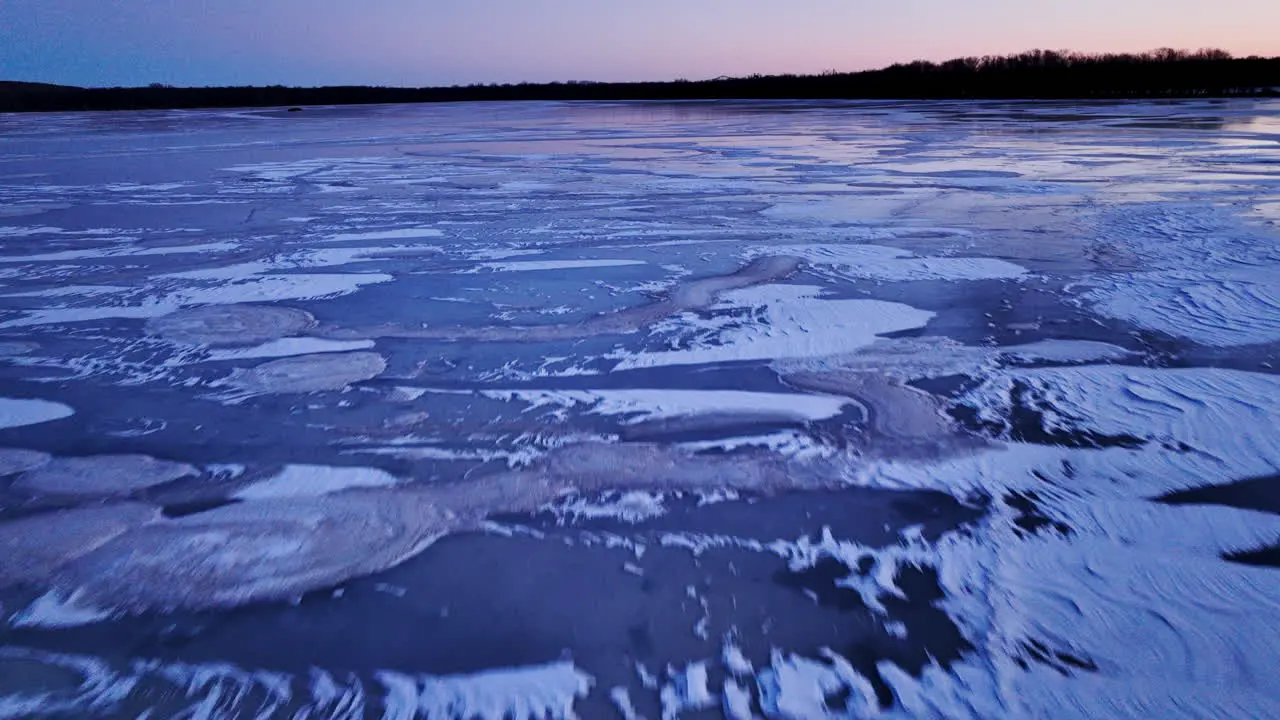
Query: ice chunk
<point x="309" y="373"/>
<point x="230" y="324"/>
<point x="101" y="475"/>
<point x="16" y="460"/>
<point x="275" y="549"/>
<point x="32" y="548"/>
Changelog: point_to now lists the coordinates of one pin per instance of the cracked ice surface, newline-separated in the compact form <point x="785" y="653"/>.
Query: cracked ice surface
<point x="957" y="410"/>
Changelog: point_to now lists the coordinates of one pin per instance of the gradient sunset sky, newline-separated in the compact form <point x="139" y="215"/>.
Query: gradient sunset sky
<point x="443" y="42"/>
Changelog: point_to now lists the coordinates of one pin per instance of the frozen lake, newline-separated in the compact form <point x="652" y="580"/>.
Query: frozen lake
<point x="795" y="410"/>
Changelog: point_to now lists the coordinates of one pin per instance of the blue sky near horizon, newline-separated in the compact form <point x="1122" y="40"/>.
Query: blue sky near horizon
<point x="444" y="42"/>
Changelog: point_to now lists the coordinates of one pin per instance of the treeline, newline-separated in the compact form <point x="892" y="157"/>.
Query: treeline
<point x="1037" y="74"/>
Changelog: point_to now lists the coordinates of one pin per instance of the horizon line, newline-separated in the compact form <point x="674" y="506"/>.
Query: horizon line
<point x="678" y="79"/>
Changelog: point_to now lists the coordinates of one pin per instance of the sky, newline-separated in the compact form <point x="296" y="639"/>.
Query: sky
<point x="446" y="42"/>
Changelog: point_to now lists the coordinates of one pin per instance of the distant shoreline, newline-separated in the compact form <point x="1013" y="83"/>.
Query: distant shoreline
<point x="1034" y="75"/>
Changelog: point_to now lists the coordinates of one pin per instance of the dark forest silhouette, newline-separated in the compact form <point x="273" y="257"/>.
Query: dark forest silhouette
<point x="1037" y="74"/>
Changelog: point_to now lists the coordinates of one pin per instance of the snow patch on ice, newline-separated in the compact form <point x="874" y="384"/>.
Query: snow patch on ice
<point x="797" y="687"/>
<point x="315" y="480"/>
<point x="546" y="692"/>
<point x="76" y="685"/>
<point x="398" y="234"/>
<point x="686" y="690"/>
<point x="288" y="347"/>
<point x="54" y="610"/>
<point x="16" y="412"/>
<point x="1091" y="595"/>
<point x="788" y="321"/>
<point x="885" y="263"/>
<point x="1221" y="308"/>
<point x="622" y="700"/>
<point x="632" y="507"/>
<point x="785" y="443"/>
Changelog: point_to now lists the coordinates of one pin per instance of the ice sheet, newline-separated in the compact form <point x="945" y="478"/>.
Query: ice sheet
<point x="592" y="320"/>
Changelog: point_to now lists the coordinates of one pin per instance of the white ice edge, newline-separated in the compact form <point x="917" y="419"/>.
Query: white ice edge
<point x="542" y="265"/>
<point x="397" y="234"/>
<point x="288" y="347"/>
<point x="660" y="403"/>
